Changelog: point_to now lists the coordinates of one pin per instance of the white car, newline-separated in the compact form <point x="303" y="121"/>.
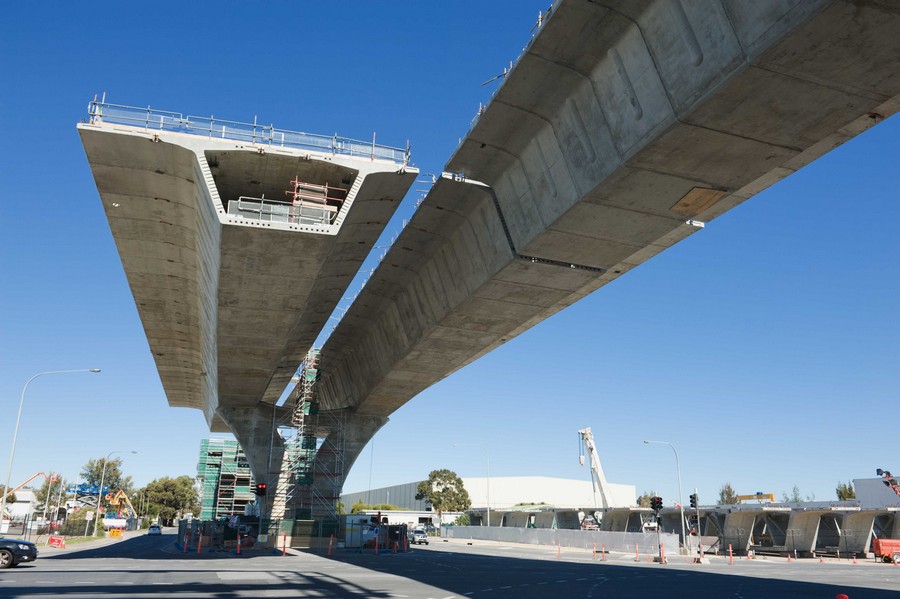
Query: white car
<point x="154" y="530"/>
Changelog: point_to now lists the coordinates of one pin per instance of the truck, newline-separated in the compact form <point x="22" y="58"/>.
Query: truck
<point x="887" y="549"/>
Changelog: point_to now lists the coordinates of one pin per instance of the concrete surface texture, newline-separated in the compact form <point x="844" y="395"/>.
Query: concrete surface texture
<point x="621" y="124"/>
<point x="620" y="130"/>
<point x="230" y="305"/>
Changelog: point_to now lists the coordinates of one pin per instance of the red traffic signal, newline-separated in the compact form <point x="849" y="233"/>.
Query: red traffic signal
<point x="260" y="489"/>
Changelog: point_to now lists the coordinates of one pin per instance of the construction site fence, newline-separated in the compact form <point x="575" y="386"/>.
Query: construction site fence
<point x="224" y="533"/>
<point x="646" y="543"/>
<point x="255" y="133"/>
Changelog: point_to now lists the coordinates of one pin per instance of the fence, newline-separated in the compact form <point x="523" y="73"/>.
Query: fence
<point x="163" y="120"/>
<point x="647" y="543"/>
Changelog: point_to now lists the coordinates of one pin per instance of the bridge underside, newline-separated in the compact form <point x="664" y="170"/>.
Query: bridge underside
<point x="623" y="127"/>
<point x="232" y="282"/>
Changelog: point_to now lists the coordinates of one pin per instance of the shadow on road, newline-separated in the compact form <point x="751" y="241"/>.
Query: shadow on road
<point x="234" y="583"/>
<point x="479" y="575"/>
<point x="147" y="547"/>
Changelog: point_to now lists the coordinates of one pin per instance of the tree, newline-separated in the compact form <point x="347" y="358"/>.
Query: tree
<point x="794" y="497"/>
<point x="358" y="506"/>
<point x="10" y="499"/>
<point x="845" y="491"/>
<point x="445" y="491"/>
<point x="644" y="499"/>
<point x="169" y="498"/>
<point x="113" y="478"/>
<point x="727" y="496"/>
<point x="54" y="487"/>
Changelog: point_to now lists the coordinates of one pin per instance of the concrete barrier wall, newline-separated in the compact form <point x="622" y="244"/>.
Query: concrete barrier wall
<point x="624" y="542"/>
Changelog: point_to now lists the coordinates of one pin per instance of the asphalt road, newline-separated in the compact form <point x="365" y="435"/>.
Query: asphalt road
<point x="145" y="566"/>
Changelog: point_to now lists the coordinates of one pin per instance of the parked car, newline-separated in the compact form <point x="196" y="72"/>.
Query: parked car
<point x="419" y="536"/>
<point x="13" y="552"/>
<point x="154" y="530"/>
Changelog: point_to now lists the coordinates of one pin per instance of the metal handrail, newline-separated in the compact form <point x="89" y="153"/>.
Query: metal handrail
<point x="263" y="209"/>
<point x="151" y="118"/>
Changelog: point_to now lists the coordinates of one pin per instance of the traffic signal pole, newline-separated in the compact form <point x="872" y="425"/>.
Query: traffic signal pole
<point x="696" y="502"/>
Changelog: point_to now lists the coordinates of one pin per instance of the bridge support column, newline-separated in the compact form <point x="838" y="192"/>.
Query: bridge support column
<point x="254" y="428"/>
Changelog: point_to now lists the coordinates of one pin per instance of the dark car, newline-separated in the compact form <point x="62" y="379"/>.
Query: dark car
<point x="13" y="552"/>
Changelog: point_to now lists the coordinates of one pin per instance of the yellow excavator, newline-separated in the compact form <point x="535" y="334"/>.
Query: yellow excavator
<point x="121" y="502"/>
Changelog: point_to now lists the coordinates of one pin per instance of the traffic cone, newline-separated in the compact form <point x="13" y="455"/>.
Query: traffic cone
<point x="789" y="557"/>
<point x="854" y="558"/>
<point x="821" y="560"/>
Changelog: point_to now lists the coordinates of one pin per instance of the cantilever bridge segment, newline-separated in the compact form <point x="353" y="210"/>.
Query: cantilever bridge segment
<point x="238" y="241"/>
<point x="622" y="128"/>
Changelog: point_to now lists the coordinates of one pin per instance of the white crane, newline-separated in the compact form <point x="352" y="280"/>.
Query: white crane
<point x="601" y="487"/>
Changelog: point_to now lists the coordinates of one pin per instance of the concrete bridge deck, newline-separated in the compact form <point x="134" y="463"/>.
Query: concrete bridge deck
<point x="622" y="128"/>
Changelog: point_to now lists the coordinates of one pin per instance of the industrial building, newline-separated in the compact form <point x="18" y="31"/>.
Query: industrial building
<point x="226" y="486"/>
<point x="502" y="493"/>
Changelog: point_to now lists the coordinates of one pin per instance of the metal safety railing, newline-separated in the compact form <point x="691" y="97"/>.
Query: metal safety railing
<point x="273" y="211"/>
<point x="149" y="118"/>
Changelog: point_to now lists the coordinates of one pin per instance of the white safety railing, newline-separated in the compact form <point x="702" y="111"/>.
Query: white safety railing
<point x="255" y="133"/>
<point x="263" y="210"/>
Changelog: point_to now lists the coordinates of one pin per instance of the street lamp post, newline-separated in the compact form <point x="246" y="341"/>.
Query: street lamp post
<point x="487" y="456"/>
<point x="100" y="493"/>
<point x="680" y="499"/>
<point x="12" y="452"/>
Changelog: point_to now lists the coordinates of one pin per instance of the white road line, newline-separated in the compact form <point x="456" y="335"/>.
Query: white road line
<point x="506" y="587"/>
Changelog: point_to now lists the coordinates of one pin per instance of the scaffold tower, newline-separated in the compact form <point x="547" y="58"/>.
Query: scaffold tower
<point x="312" y="473"/>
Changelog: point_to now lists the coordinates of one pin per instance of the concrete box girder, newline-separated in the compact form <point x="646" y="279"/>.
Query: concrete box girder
<point x="226" y="303"/>
<point x="617" y="112"/>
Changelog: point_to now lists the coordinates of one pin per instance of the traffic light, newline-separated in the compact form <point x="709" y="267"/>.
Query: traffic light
<point x="656" y="503"/>
<point x="260" y="489"/>
<point x="695" y="501"/>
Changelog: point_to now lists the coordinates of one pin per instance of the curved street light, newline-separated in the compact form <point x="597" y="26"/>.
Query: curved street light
<point x="12" y="453"/>
<point x="678" y="473"/>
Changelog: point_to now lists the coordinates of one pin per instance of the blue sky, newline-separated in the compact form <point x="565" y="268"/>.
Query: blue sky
<point x="765" y="347"/>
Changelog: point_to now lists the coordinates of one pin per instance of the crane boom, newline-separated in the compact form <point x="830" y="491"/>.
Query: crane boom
<point x="598" y="479"/>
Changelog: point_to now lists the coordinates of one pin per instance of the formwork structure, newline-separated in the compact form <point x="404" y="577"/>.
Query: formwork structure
<point x="226" y="485"/>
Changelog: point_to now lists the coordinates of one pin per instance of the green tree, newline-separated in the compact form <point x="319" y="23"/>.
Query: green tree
<point x="10" y="499"/>
<point x="727" y="496"/>
<point x="358" y="506"/>
<point x="169" y="498"/>
<point x="461" y="520"/>
<point x="113" y="478"/>
<point x="54" y="488"/>
<point x="845" y="491"/>
<point x="794" y="497"/>
<point x="51" y="486"/>
<point x="644" y="499"/>
<point x="445" y="491"/>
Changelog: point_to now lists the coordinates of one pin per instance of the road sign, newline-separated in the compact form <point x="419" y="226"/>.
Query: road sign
<point x="89" y="516"/>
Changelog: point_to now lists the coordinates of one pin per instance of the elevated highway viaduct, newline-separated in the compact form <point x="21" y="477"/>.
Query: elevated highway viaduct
<point x="621" y="129"/>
